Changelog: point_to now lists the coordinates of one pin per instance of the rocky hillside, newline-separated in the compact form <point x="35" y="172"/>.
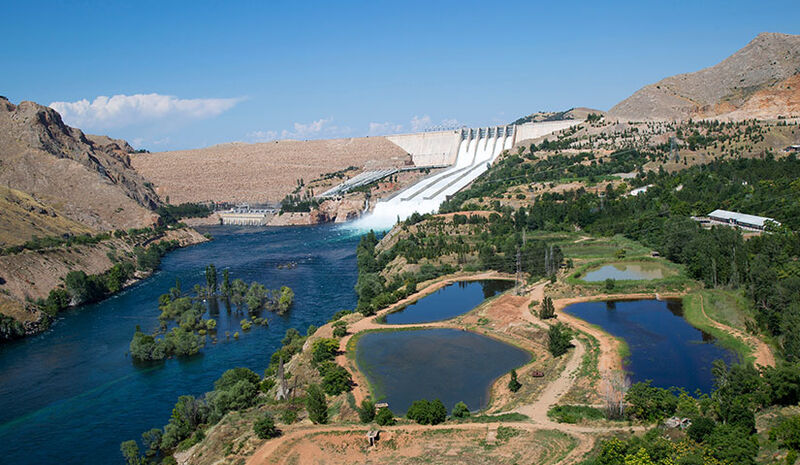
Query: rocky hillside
<point x="758" y="81"/>
<point x="87" y="179"/>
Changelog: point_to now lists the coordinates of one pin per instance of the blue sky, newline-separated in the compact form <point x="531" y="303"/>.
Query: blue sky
<point x="192" y="74"/>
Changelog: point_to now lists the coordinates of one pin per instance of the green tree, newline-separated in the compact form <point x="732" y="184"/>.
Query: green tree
<point x="316" y="404"/>
<point x="130" y="450"/>
<point x="513" y="384"/>
<point x="559" y="339"/>
<point x="366" y="412"/>
<point x="211" y="279"/>
<point x="144" y="347"/>
<point x="384" y="417"/>
<point x="232" y="376"/>
<point x="650" y="403"/>
<point x="286" y="299"/>
<point x="151" y="440"/>
<point x="427" y="412"/>
<point x="788" y="433"/>
<point x="339" y="329"/>
<point x="256" y="297"/>
<point x="324" y="349"/>
<point x="461" y="410"/>
<point x="548" y="309"/>
<point x="265" y="427"/>
<point x="335" y="378"/>
<point x="226" y="283"/>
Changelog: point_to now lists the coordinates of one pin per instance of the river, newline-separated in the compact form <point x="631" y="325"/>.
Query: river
<point x="72" y="394"/>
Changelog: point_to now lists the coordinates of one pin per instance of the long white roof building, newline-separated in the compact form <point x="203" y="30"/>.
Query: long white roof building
<point x="741" y="219"/>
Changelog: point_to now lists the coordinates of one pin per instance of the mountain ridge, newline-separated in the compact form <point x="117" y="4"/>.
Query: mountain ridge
<point x="765" y="63"/>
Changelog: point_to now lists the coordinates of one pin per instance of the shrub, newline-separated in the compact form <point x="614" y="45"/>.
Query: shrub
<point x="324" y="349"/>
<point x="559" y="339"/>
<point x="366" y="412"/>
<point x="385" y="417"/>
<point x="460" y="410"/>
<point x="265" y="427"/>
<point x="427" y="412"/>
<point x="339" y="329"/>
<point x="335" y="378"/>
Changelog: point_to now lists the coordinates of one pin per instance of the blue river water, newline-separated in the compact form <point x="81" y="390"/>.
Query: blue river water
<point x="450" y="301"/>
<point x="664" y="347"/>
<point x="72" y="394"/>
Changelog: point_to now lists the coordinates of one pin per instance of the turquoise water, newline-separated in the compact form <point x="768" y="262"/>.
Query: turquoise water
<point x="71" y="395"/>
<point x="450" y="301"/>
<point x="446" y="364"/>
<point x="664" y="347"/>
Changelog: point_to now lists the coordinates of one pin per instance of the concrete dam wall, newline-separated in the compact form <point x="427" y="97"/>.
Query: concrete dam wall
<point x="430" y="148"/>
<point x="471" y="153"/>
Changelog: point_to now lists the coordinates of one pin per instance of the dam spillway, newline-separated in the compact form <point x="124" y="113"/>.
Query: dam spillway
<point x="469" y="152"/>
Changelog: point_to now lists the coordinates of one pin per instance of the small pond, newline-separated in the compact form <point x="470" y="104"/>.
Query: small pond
<point x="641" y="271"/>
<point x="446" y="364"/>
<point x="664" y="347"/>
<point x="448" y="302"/>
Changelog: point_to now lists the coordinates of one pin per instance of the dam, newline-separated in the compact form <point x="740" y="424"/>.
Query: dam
<point x="468" y="152"/>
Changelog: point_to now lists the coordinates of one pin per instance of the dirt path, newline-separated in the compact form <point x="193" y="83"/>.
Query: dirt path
<point x="360" y="389"/>
<point x="761" y="351"/>
<point x="536" y="411"/>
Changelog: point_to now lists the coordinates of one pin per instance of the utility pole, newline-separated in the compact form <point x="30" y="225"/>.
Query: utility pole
<point x="519" y="271"/>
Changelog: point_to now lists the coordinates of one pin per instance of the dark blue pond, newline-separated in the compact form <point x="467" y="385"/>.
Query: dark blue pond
<point x="664" y="347"/>
<point x="450" y="301"/>
<point x="71" y="395"/>
<point x="446" y="364"/>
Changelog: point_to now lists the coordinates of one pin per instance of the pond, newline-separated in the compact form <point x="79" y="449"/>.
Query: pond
<point x="72" y="393"/>
<point x="641" y="271"/>
<point x="447" y="364"/>
<point x="450" y="301"/>
<point x="664" y="347"/>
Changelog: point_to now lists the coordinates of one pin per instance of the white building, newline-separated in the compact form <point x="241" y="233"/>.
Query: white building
<point x="740" y="219"/>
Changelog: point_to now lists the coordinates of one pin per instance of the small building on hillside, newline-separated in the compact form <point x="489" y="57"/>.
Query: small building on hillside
<point x="742" y="220"/>
<point x="792" y="149"/>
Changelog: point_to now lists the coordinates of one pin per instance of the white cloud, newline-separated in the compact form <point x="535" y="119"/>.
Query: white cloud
<point x="322" y="127"/>
<point x="126" y="110"/>
<point x="451" y="123"/>
<point x="420" y="123"/>
<point x="379" y="129"/>
<point x="262" y="136"/>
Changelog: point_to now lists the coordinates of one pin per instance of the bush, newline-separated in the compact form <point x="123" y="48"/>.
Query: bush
<point x="700" y="428"/>
<point x="339" y="329"/>
<point x="366" y="412"/>
<point x="559" y="339"/>
<point x="265" y="427"/>
<point x="548" y="309"/>
<point x="335" y="378"/>
<point x="610" y="284"/>
<point x="650" y="403"/>
<point x="574" y="413"/>
<point x="385" y="417"/>
<point x="427" y="412"/>
<point x="289" y="416"/>
<point x="460" y="410"/>
<point x="324" y="349"/>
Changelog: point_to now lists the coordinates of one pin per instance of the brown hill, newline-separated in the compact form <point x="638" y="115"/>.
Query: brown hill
<point x="24" y="217"/>
<point x="762" y="70"/>
<point x="261" y="172"/>
<point x="88" y="179"/>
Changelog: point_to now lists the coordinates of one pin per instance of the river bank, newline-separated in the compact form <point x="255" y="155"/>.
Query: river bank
<point x="30" y="276"/>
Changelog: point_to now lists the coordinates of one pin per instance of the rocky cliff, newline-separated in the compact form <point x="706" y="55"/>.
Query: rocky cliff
<point x="89" y="179"/>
